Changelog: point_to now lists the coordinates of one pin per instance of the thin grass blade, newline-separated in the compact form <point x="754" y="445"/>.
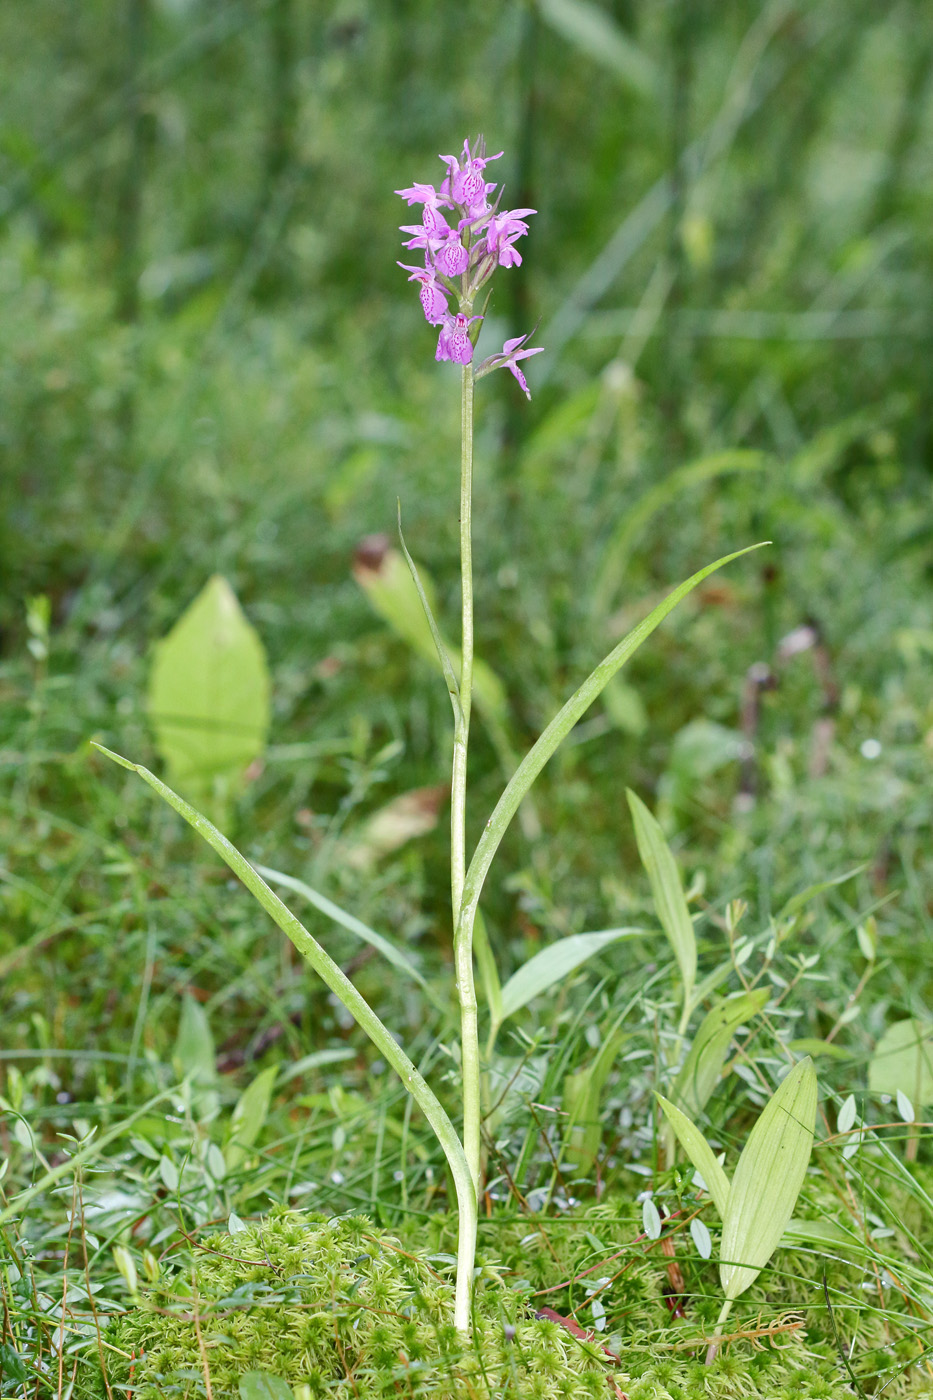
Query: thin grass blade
<point x="667" y="891"/>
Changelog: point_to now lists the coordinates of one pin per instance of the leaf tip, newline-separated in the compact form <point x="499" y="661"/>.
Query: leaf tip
<point x="116" y="757"/>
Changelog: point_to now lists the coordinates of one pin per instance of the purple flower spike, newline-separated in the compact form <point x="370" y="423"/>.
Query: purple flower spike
<point x="454" y="342"/>
<point x="508" y="357"/>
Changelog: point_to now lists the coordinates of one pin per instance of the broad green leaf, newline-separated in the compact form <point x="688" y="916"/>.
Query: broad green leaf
<point x="209" y="692"/>
<point x="262" y="1385"/>
<point x="903" y="1060"/>
<point x="388" y="584"/>
<point x="667" y="890"/>
<point x="581" y="1093"/>
<point x="596" y="33"/>
<point x="194" y="1044"/>
<point x="700" y="1153"/>
<point x="340" y="916"/>
<point x="555" y="963"/>
<point x="249" y="1114"/>
<point x="768" y="1179"/>
<point x="703" y="1065"/>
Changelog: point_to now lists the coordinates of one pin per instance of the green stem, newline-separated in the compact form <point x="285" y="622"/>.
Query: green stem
<point x="463" y="933"/>
<point x="713" y="1349"/>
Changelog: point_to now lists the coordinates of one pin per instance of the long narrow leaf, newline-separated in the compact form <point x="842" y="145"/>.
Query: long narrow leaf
<point x="700" y="1153"/>
<point x="768" y="1179"/>
<point x="350" y="922"/>
<point x="667" y="890"/>
<point x="561" y="725"/>
<point x="328" y="971"/>
<point x="555" y="963"/>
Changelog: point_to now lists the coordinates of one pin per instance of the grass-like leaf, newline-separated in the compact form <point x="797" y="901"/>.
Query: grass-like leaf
<point x="330" y="974"/>
<point x="561" y="725"/>
<point x="667" y="891"/>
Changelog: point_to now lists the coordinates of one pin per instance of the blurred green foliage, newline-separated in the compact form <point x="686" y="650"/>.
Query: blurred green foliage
<point x="210" y="363"/>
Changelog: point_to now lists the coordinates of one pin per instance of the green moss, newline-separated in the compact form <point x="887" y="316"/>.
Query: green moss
<point x="348" y="1311"/>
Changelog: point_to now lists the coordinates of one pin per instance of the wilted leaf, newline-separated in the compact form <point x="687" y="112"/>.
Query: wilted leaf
<point x="249" y="1114"/>
<point x="209" y="692"/>
<point x="903" y="1059"/>
<point x="409" y="815"/>
<point x="667" y="890"/>
<point x="555" y="963"/>
<point x="768" y="1179"/>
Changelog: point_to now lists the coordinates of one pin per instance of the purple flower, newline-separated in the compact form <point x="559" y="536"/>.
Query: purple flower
<point x="453" y="258"/>
<point x="501" y="233"/>
<point x="454" y="342"/>
<point x="433" y="296"/>
<point x="508" y="357"/>
<point x="465" y="183"/>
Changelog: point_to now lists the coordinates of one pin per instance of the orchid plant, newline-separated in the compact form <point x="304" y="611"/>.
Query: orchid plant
<point x="465" y="237"/>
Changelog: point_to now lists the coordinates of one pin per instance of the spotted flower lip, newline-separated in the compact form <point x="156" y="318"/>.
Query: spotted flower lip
<point x="454" y="342"/>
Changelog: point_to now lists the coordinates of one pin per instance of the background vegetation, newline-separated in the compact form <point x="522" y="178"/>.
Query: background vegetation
<point x="210" y="363"/>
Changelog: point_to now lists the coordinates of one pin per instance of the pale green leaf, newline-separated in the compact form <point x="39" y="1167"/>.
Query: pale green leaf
<point x="768" y="1179"/>
<point x="903" y="1059"/>
<point x="650" y="1219"/>
<point x="700" y="1153"/>
<point x="194" y="1044"/>
<point x="555" y="963"/>
<point x="262" y="1385"/>
<point x="820" y="1234"/>
<point x="209" y="691"/>
<point x="701" y="1238"/>
<point x="249" y="1115"/>
<point x="704" y="1062"/>
<point x="595" y="33"/>
<point x="666" y="889"/>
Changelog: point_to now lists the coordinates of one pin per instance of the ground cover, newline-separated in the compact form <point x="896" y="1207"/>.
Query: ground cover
<point x="754" y="366"/>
